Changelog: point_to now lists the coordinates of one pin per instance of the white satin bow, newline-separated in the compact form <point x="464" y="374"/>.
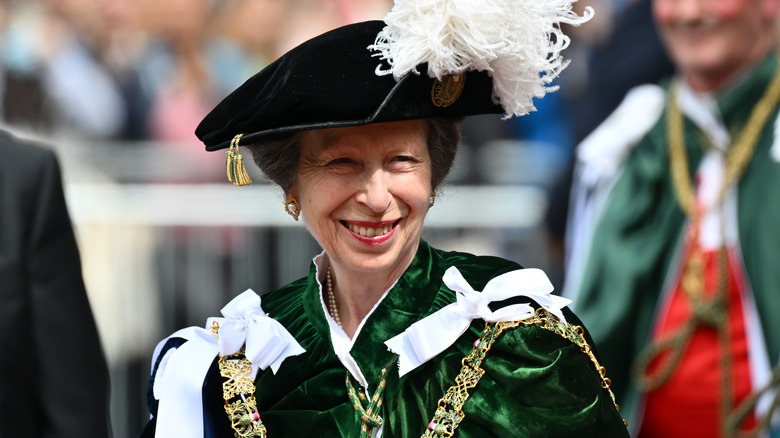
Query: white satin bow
<point x="433" y="334"/>
<point x="179" y="380"/>
<point x="268" y="343"/>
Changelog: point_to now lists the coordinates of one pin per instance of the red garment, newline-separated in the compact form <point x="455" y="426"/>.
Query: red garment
<point x="688" y="404"/>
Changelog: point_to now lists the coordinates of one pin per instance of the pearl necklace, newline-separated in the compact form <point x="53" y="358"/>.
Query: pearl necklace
<point x="332" y="307"/>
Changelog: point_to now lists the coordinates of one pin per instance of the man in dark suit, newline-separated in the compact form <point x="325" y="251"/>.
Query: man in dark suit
<point x="53" y="375"/>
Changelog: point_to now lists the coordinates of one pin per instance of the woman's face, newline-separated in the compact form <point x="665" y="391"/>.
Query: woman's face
<point x="364" y="193"/>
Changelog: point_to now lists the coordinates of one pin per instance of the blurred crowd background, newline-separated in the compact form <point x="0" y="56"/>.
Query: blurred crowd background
<point x="117" y="87"/>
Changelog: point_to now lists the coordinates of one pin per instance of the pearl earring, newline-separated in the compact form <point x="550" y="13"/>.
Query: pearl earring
<point x="292" y="207"/>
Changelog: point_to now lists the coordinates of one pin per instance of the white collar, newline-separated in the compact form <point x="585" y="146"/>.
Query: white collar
<point x="702" y="109"/>
<point x="342" y="344"/>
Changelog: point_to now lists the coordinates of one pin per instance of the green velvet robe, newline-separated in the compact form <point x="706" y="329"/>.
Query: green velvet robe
<point x="536" y="383"/>
<point x="637" y="241"/>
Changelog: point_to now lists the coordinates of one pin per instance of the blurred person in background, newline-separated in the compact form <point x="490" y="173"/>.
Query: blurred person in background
<point x="185" y="69"/>
<point x="623" y="53"/>
<point x="309" y="18"/>
<point x="46" y="46"/>
<point x="385" y="335"/>
<point x="674" y="230"/>
<point x="53" y="376"/>
<point x="119" y="38"/>
<point x="22" y="96"/>
<point x="196" y="60"/>
<point x="620" y="52"/>
<point x="253" y="30"/>
<point x="180" y="68"/>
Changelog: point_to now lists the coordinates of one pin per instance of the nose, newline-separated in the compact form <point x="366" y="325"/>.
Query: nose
<point x="689" y="10"/>
<point x="375" y="193"/>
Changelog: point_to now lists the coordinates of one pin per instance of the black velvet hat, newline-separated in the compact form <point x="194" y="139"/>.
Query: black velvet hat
<point x="332" y="81"/>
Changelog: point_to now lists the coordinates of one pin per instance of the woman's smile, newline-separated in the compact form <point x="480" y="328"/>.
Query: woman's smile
<point x="373" y="233"/>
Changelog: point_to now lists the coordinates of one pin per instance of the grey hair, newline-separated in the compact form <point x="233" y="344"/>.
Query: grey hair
<point x="278" y="156"/>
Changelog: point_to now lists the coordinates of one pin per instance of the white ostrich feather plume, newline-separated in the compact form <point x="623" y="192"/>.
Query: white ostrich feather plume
<point x="518" y="42"/>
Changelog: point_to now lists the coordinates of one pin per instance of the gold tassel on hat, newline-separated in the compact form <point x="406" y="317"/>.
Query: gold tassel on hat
<point x="234" y="164"/>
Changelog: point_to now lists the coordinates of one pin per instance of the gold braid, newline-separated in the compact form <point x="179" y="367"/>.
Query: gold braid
<point x="449" y="412"/>
<point x="737" y="157"/>
<point x="238" y="390"/>
<point x="369" y="411"/>
<point x="710" y="312"/>
<point x="738" y="414"/>
<point x="241" y="406"/>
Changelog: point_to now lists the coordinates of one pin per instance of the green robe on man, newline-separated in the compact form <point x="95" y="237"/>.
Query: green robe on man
<point x="631" y="251"/>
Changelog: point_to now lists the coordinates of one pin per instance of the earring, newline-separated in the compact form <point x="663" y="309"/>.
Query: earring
<point x="292" y="207"/>
<point x="432" y="200"/>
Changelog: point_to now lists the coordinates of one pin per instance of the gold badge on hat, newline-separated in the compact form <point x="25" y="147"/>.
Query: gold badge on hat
<point x="445" y="92"/>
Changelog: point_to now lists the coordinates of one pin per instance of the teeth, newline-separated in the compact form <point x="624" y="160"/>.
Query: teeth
<point x="370" y="232"/>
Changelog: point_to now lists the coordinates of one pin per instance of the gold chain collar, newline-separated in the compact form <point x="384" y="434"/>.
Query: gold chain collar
<point x="449" y="411"/>
<point x="737" y="157"/>
<point x="245" y="418"/>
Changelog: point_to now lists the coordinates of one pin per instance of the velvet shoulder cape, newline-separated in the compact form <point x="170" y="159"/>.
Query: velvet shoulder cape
<point x="536" y="383"/>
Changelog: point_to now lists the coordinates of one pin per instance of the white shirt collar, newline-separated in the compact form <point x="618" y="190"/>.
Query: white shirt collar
<point x="702" y="109"/>
<point x="342" y="344"/>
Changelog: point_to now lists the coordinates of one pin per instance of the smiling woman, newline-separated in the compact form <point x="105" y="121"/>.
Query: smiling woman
<point x="364" y="192"/>
<point x="386" y="336"/>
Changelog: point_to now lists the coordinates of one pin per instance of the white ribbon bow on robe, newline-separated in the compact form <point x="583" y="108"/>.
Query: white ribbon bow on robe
<point x="435" y="333"/>
<point x="268" y="343"/>
<point x="179" y="379"/>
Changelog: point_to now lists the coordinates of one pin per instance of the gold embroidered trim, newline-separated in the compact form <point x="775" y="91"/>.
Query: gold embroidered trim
<point x="449" y="412"/>
<point x="241" y="405"/>
<point x="238" y="390"/>
<point x="574" y="334"/>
